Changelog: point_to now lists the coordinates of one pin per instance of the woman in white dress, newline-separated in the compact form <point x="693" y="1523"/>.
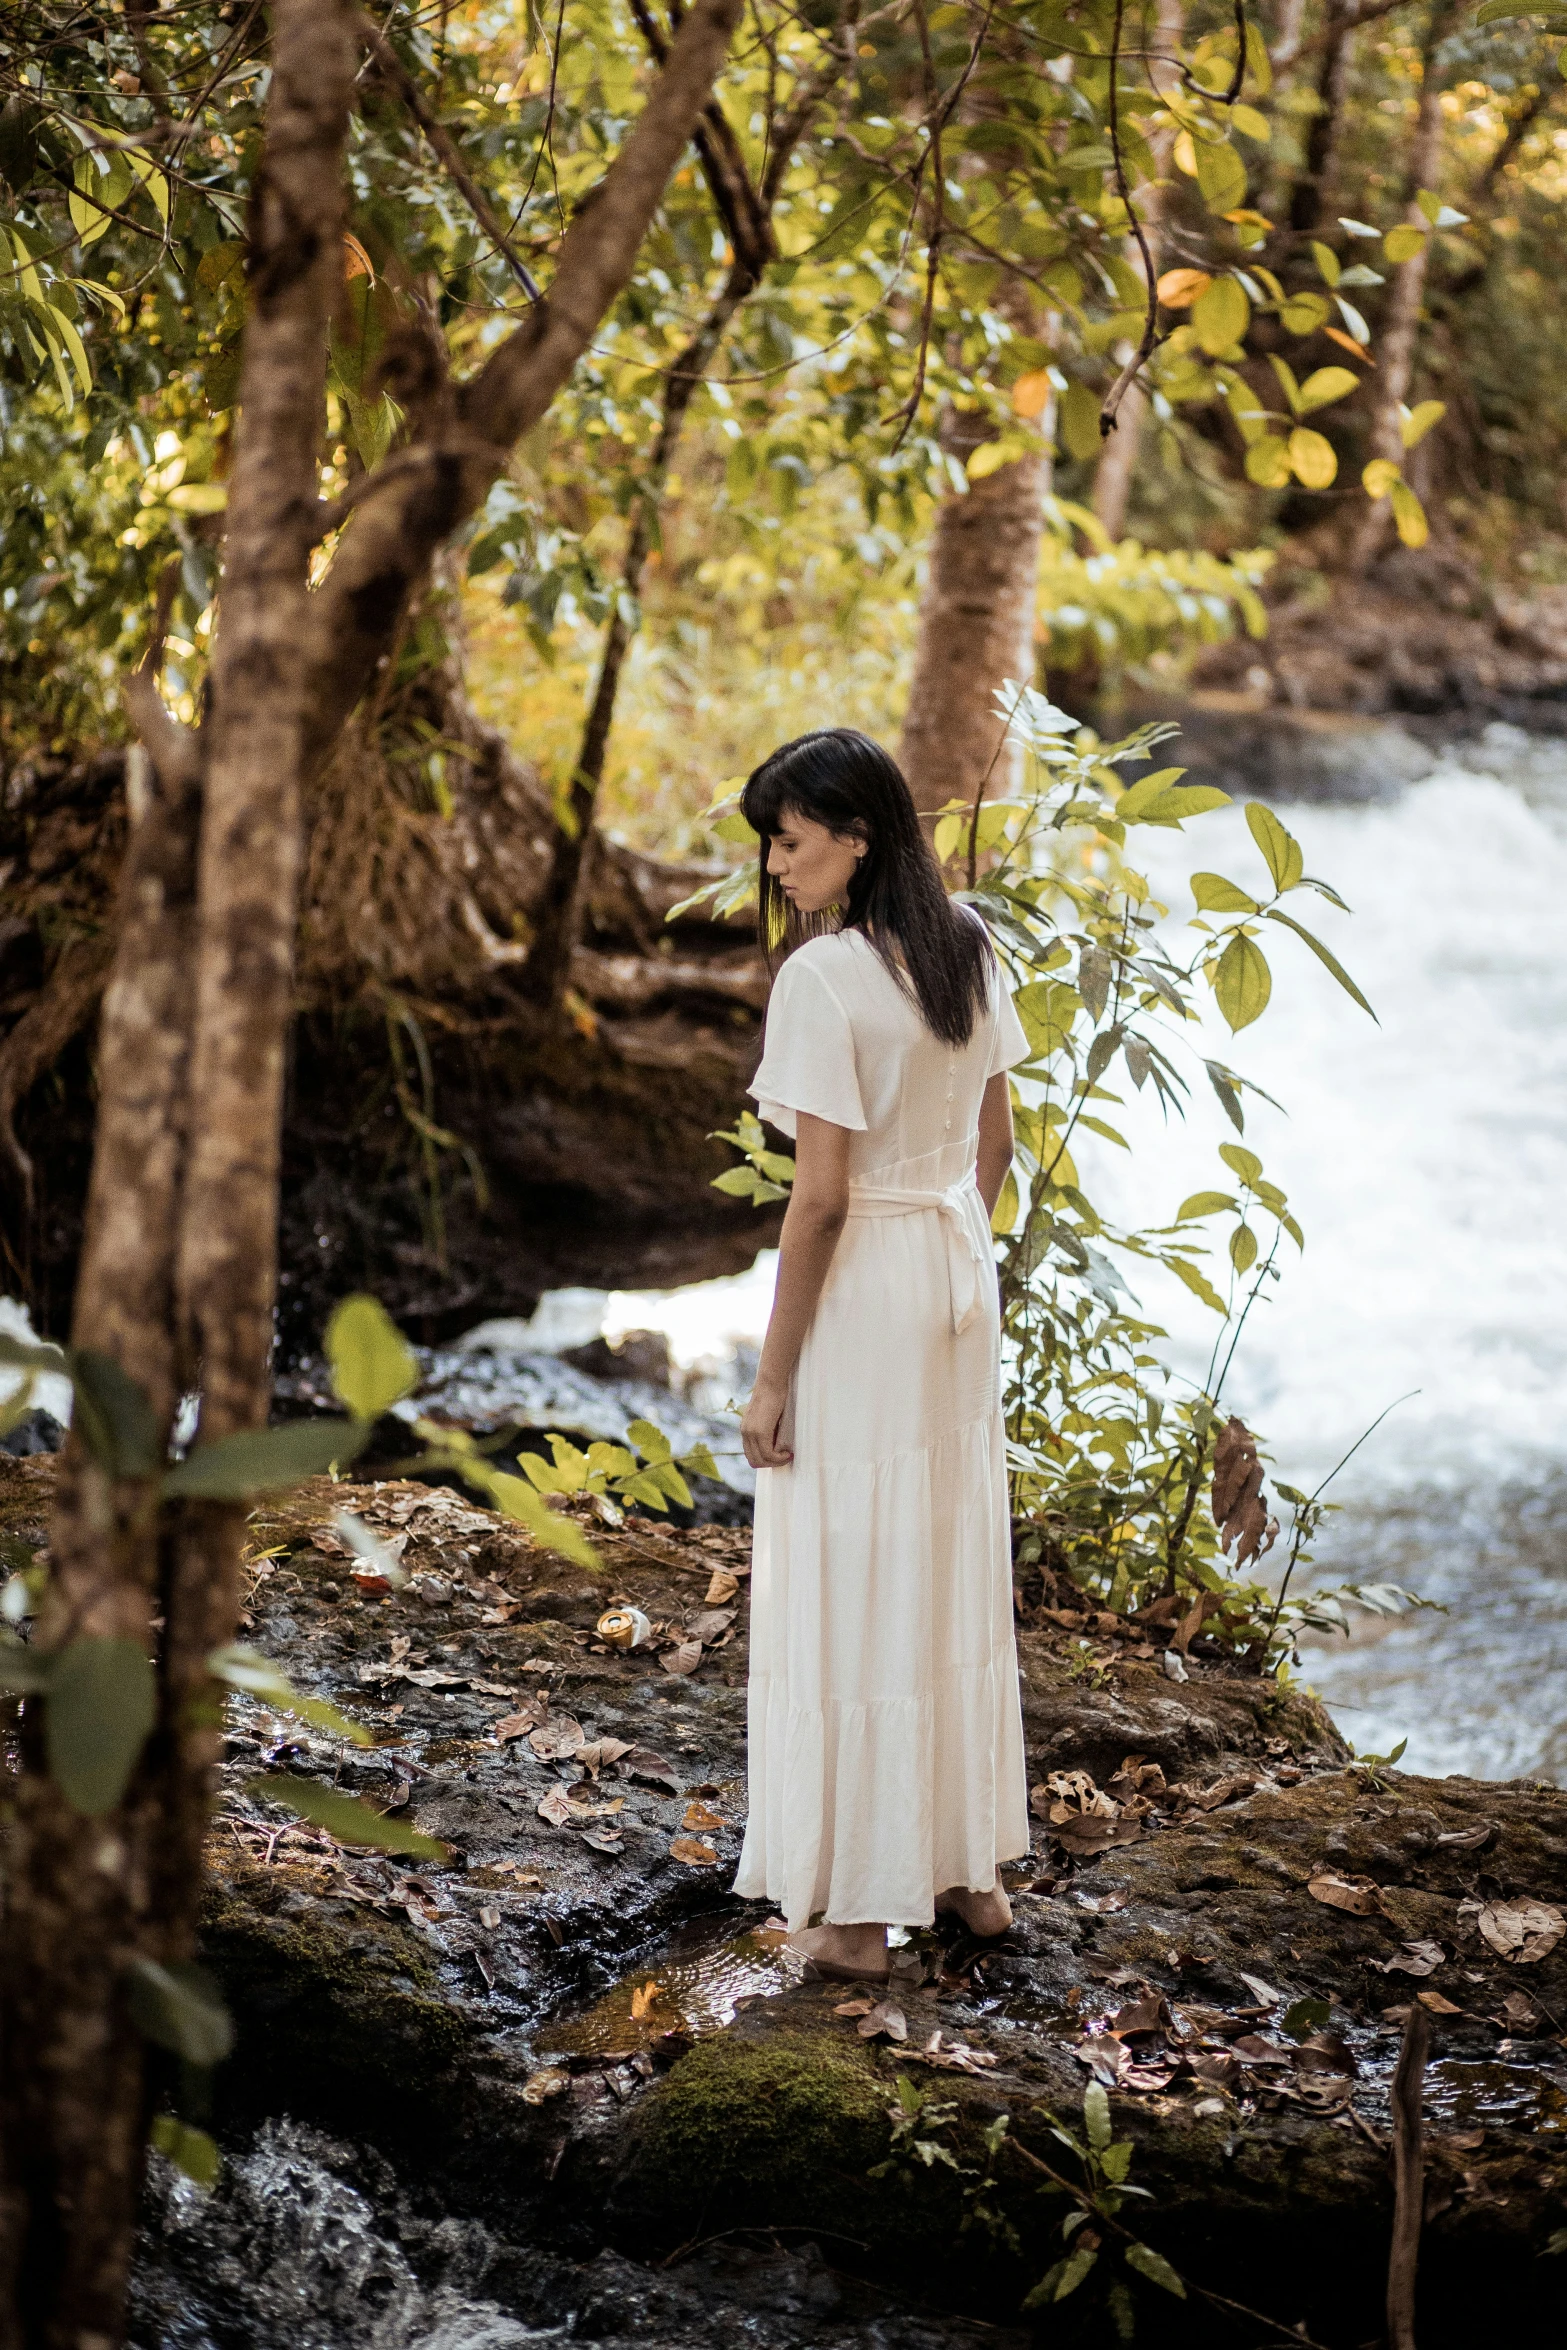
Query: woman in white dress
<point x="887" y="1775"/>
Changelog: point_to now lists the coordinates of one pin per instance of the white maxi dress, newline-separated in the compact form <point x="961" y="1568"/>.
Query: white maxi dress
<point x="886" y="1738"/>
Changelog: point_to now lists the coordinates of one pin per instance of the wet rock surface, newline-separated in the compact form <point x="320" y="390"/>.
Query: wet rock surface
<point x="565" y="2032"/>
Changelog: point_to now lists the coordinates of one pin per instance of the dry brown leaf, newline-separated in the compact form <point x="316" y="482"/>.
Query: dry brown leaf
<point x="885" y="2022"/>
<point x="698" y="1815"/>
<point x="1437" y="2004"/>
<point x="711" y="1625"/>
<point x="1522" y="1932"/>
<point x="1414" y="1958"/>
<point x="556" y="1740"/>
<point x="548" y="2082"/>
<point x="1206" y="1604"/>
<point x="1473" y="1839"/>
<point x="1358" y="1895"/>
<point x="1089" y="1835"/>
<point x="722" y="1587"/>
<point x="1251" y="2048"/>
<point x="693" y="1852"/>
<point x="554" y="1808"/>
<point x="1145" y="2016"/>
<point x="643" y="1999"/>
<point x="684" y="1657"/>
<point x="854" y="2007"/>
<point x="1239" y="1511"/>
<point x="600" y="1754"/>
<point x="604" y="1839"/>
<point x="1105" y="2058"/>
<point x="513" y="1726"/>
<point x="1225" y="1791"/>
<point x="1325" y="2052"/>
<point x="640" y="1762"/>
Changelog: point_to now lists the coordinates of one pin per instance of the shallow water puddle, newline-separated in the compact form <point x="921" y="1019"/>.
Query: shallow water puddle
<point x="694" y="1984"/>
<point x="1466" y="2095"/>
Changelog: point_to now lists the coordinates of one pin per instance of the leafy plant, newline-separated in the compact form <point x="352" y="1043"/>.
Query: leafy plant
<point x="1099" y="2198"/>
<point x="651" y="1476"/>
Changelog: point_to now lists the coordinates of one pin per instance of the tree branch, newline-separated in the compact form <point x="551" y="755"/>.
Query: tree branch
<point x="398" y="527"/>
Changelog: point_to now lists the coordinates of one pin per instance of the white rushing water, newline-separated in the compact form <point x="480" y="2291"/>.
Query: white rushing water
<point x="1426" y="1158"/>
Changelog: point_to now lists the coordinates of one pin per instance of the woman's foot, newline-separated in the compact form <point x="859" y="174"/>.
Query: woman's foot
<point x="985" y="1914"/>
<point x="851" y="1954"/>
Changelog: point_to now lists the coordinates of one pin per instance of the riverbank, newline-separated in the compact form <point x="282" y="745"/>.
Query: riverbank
<point x="565" y="2033"/>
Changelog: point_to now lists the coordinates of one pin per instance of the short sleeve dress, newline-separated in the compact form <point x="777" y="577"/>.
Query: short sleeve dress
<point x="886" y="1740"/>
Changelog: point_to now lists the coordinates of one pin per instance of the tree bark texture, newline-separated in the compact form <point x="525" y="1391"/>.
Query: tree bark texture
<point x="198" y="1005"/>
<point x="1399" y="341"/>
<point x="1117" y="467"/>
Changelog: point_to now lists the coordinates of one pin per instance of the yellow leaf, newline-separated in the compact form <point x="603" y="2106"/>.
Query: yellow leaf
<point x="1031" y="393"/>
<point x="356" y="261"/>
<point x="372" y="1363"/>
<point x="1268" y="462"/>
<point x="1402" y="244"/>
<point x="1221" y="315"/>
<point x="1379" y="476"/>
<point x="1251" y="124"/>
<point x="1414" y="427"/>
<point x="988" y="458"/>
<point x="1184" y="153"/>
<point x="1304" y="313"/>
<point x="1178" y="289"/>
<point x="1242" y="982"/>
<point x="1409" y="516"/>
<point x="1325" y="384"/>
<point x="1221" y="175"/>
<point x="1004" y="1215"/>
<point x="1312" y="458"/>
<point x="1336" y="334"/>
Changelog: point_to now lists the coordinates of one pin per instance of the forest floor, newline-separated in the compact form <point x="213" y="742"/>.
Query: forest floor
<point x="566" y="2041"/>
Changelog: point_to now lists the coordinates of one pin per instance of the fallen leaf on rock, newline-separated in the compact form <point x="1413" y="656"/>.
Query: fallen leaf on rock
<point x="548" y="2082"/>
<point x="884" y="2022"/>
<point x="1358" y="1895"/>
<point x="698" y="1815"/>
<point x="684" y="1657"/>
<point x="1137" y="1776"/>
<point x="1105" y="2058"/>
<point x="1473" y="1839"/>
<point x="1326" y="2093"/>
<point x="1088" y="1835"/>
<point x="489" y="1919"/>
<point x="1217" y="2070"/>
<point x="1324" y="2052"/>
<point x="643" y="1999"/>
<point x="584" y="1808"/>
<point x="604" y="1839"/>
<point x="1522" y="1932"/>
<point x="514" y="1726"/>
<point x="490" y="1688"/>
<point x="640" y="1762"/>
<point x="1413" y="1958"/>
<point x="1260" y="1990"/>
<point x="1224" y="1791"/>
<point x="1518" y="2013"/>
<point x="1461" y="2141"/>
<point x="1437" y="2004"/>
<point x="854" y="2007"/>
<point x="1252" y="2049"/>
<point x="711" y="1625"/>
<point x="723" y="1586"/>
<point x="959" y="2057"/>
<point x="1075" y="1791"/>
<point x="600" y="1754"/>
<point x="693" y="1852"/>
<point x="1145" y="2016"/>
<point x="555" y="1808"/>
<point x="1146" y="2078"/>
<point x="557" y="1740"/>
<point x="1097" y="1904"/>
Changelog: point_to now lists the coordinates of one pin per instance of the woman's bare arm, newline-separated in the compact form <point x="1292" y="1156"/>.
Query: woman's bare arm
<point x="818" y="1207"/>
<point x="995" y="1139"/>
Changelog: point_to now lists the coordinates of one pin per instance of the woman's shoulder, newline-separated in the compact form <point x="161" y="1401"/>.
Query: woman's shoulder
<point x="830" y="958"/>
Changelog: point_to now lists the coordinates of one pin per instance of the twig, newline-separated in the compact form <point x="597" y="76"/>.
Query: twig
<point x="1124" y="381"/>
<point x="1408" y="2177"/>
<point x="1239" y="77"/>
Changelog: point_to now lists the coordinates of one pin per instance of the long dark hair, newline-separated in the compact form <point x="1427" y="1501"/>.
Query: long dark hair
<point x="835" y="776"/>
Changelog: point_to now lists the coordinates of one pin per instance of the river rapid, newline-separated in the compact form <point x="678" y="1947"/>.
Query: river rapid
<point x="1425" y="1155"/>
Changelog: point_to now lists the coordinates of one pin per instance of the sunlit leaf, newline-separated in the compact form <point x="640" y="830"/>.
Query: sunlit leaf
<point x="373" y="1365"/>
<point x="266" y="1460"/>
<point x="193" y="2154"/>
<point x="248" y="1670"/>
<point x="1323" y="956"/>
<point x="1215" y="895"/>
<point x="1312" y="458"/>
<point x="1155" y="2268"/>
<point x="1281" y="852"/>
<point x="344" y="1816"/>
<point x="1242" y="982"/>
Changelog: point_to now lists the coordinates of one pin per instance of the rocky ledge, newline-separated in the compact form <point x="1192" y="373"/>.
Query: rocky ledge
<point x="565" y="2032"/>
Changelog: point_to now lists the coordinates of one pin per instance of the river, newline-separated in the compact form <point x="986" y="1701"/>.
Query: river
<point x="1426" y="1157"/>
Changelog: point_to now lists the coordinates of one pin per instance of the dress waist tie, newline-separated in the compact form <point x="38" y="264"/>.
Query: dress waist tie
<point x="964" y="1223"/>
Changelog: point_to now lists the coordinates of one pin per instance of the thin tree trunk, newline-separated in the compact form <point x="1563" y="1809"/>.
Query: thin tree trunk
<point x="88" y="1895"/>
<point x="1399" y="340"/>
<point x="1310" y="197"/>
<point x="1117" y="467"/>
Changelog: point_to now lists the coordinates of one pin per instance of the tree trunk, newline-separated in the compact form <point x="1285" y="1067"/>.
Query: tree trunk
<point x="1400" y="337"/>
<point x="1309" y="199"/>
<point x="976" y="625"/>
<point x="88" y="1894"/>
<point x="1117" y="467"/>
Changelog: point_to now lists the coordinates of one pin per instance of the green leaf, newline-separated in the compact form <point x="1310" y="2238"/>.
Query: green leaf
<point x="373" y="1365"/>
<point x="247" y="1669"/>
<point x="1419" y="421"/>
<point x="1404" y="242"/>
<point x="23" y="1670"/>
<point x="191" y="2151"/>
<point x="699" y="1462"/>
<point x="1328" y="266"/>
<point x="1221" y="175"/>
<point x="1181" y="801"/>
<point x="1323" y="956"/>
<point x="1267" y="462"/>
<point x="520" y="1503"/>
<point x="1069" y="2274"/>
<point x="1215" y="895"/>
<point x="344" y="1817"/>
<point x="180" y="2007"/>
<point x="1198" y="1283"/>
<point x="650" y="1441"/>
<point x="1281" y="852"/>
<point x="1302" y="314"/>
<point x="1325" y="384"/>
<point x="102" y="1702"/>
<point x="1116" y="2161"/>
<point x="266" y="1460"/>
<point x="1204" y="1203"/>
<point x="1155" y="2268"/>
<point x="1221" y="313"/>
<point x="33" y="1354"/>
<point x="1243" y="1248"/>
<point x="1096" y="2116"/>
<point x="1243" y="1163"/>
<point x="1242" y="983"/>
<point x="1305" y="2017"/>
<point x="739" y="1182"/>
<point x="115" y="1416"/>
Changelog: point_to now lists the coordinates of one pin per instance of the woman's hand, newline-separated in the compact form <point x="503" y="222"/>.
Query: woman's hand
<point x="759" y="1427"/>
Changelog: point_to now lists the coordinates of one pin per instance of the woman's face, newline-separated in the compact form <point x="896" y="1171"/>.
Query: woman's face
<point x="811" y="865"/>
